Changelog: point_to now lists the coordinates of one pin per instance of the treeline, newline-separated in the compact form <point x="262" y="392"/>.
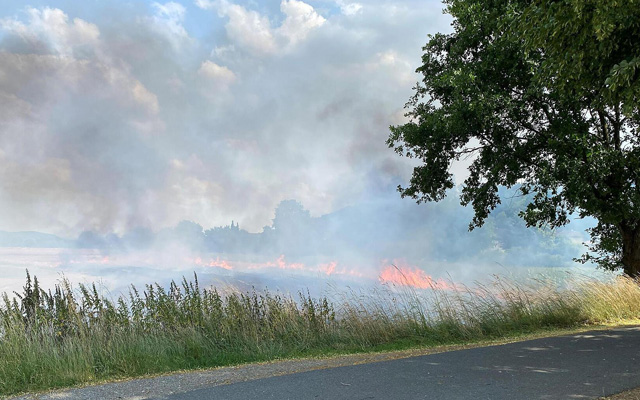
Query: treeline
<point x="381" y="228"/>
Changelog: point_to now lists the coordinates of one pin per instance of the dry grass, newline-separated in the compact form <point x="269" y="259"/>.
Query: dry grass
<point x="71" y="336"/>
<point x="633" y="394"/>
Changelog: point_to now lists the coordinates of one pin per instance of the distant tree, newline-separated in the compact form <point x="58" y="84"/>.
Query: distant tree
<point x="139" y="238"/>
<point x="190" y="233"/>
<point x="225" y="238"/>
<point x="189" y="229"/>
<point x="293" y="229"/>
<point x="291" y="216"/>
<point x="90" y="239"/>
<point x="543" y="95"/>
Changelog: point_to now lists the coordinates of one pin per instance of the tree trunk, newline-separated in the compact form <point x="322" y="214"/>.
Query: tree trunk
<point x="630" y="250"/>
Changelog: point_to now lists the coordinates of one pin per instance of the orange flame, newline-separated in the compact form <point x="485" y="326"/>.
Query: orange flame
<point x="329" y="268"/>
<point x="282" y="264"/>
<point x="224" y="264"/>
<point x="279" y="263"/>
<point x="220" y="264"/>
<point x="412" y="276"/>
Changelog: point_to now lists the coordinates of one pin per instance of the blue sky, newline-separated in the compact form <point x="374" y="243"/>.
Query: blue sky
<point x="129" y="113"/>
<point x="197" y="22"/>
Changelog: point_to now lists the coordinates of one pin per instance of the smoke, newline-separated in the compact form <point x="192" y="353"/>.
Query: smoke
<point x="396" y="243"/>
<point x="135" y="132"/>
<point x="149" y="114"/>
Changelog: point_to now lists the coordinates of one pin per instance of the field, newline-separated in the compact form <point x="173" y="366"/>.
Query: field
<point x="75" y="335"/>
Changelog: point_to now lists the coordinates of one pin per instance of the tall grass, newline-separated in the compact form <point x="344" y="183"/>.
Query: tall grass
<point x="73" y="335"/>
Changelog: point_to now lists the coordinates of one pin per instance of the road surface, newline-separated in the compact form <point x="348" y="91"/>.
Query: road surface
<point x="581" y="366"/>
<point x="587" y="365"/>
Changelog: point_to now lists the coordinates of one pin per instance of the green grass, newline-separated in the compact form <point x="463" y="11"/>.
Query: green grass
<point x="71" y="336"/>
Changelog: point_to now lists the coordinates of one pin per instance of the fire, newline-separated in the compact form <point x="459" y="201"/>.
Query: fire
<point x="282" y="264"/>
<point x="279" y="263"/>
<point x="329" y="268"/>
<point x="412" y="276"/>
<point x="224" y="264"/>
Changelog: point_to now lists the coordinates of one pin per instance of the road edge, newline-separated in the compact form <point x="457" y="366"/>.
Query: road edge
<point x="179" y="381"/>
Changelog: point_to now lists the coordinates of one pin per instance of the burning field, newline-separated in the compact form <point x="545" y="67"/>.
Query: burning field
<point x="84" y="334"/>
<point x="115" y="272"/>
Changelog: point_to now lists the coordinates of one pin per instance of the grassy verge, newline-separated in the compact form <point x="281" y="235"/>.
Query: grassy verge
<point x="633" y="394"/>
<point x="71" y="336"/>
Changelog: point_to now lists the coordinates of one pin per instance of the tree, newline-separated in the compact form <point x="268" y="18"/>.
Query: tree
<point x="293" y="229"/>
<point x="543" y="95"/>
<point x="291" y="218"/>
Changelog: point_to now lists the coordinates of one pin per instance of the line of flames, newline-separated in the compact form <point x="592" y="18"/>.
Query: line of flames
<point x="389" y="274"/>
<point x="413" y="277"/>
<point x="397" y="273"/>
<point x="329" y="268"/>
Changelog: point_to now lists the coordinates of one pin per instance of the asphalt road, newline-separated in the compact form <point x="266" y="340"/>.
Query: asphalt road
<point x="584" y="366"/>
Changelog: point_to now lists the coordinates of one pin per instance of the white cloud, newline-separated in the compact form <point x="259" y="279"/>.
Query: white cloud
<point x="220" y="76"/>
<point x="142" y="95"/>
<point x="205" y="4"/>
<point x="171" y="11"/>
<point x="349" y="8"/>
<point x="401" y="69"/>
<point x="51" y="26"/>
<point x="253" y="32"/>
<point x="223" y="51"/>
<point x="301" y="19"/>
<point x="248" y="29"/>
<point x="168" y="22"/>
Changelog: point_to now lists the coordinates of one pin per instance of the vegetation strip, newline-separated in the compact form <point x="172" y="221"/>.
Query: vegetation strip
<point x="191" y="380"/>
<point x="68" y="337"/>
<point x="633" y="394"/>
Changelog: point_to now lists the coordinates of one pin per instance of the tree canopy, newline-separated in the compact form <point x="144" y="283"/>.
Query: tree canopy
<point x="543" y="96"/>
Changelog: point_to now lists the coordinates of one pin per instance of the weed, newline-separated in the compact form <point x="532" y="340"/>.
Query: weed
<point x="69" y="336"/>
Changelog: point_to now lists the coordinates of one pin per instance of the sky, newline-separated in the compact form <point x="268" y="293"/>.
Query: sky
<point x="123" y="114"/>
